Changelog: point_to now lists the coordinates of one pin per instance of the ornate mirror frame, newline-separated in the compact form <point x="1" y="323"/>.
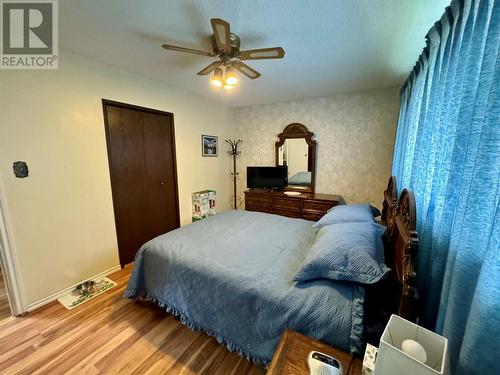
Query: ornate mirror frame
<point x="297" y="130"/>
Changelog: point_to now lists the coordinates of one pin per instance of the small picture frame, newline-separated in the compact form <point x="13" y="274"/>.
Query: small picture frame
<point x="209" y="145"/>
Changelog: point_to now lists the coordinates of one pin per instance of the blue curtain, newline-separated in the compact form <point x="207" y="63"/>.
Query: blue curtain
<point x="448" y="151"/>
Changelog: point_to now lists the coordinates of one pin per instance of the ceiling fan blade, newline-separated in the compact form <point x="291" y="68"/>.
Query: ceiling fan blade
<point x="222" y="34"/>
<point x="246" y="70"/>
<point x="187" y="50"/>
<point x="209" y="68"/>
<point x="263" y="53"/>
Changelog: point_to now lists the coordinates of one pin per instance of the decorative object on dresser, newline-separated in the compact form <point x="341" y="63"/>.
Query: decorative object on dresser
<point x="290" y="358"/>
<point x="309" y="206"/>
<point x="234" y="152"/>
<point x="296" y="149"/>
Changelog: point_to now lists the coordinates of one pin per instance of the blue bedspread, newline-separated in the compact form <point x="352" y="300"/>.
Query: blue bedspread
<point x="231" y="276"/>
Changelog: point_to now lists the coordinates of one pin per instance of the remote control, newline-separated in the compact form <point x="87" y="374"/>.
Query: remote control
<point x="323" y="364"/>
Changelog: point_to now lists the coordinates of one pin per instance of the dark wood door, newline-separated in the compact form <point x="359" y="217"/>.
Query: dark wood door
<point x="141" y="154"/>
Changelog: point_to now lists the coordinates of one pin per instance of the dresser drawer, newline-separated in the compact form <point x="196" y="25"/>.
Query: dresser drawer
<point x="311" y="217"/>
<point x="308" y="206"/>
<point x="257" y="208"/>
<point x="258" y="200"/>
<point x="313" y="205"/>
<point x="295" y="214"/>
<point x="286" y="204"/>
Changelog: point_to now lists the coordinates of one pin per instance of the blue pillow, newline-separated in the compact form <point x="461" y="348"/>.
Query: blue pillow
<point x="348" y="213"/>
<point x="346" y="252"/>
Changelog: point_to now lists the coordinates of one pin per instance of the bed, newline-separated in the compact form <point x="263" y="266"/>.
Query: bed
<point x="231" y="275"/>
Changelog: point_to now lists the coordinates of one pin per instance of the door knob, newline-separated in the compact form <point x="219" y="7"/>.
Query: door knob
<point x="162" y="183"/>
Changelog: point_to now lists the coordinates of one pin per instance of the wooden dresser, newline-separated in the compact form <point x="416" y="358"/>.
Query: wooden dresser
<point x="309" y="206"/>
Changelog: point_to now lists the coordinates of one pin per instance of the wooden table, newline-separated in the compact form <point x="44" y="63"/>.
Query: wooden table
<point x="290" y="357"/>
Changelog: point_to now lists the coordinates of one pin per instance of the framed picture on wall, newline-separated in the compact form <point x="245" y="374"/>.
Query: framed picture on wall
<point x="209" y="145"/>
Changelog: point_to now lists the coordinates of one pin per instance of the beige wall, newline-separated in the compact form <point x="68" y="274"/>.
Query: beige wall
<point x="354" y="133"/>
<point x="61" y="216"/>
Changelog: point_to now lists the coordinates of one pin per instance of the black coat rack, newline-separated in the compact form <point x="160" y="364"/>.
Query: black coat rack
<point x="234" y="152"/>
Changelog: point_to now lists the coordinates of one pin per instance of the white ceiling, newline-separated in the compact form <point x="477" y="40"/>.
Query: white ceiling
<point x="332" y="46"/>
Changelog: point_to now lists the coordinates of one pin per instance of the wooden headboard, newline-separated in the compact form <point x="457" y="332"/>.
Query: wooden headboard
<point x="390" y="203"/>
<point x="402" y="250"/>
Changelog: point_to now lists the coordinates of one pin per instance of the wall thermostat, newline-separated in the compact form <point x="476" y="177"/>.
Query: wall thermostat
<point x="20" y="169"/>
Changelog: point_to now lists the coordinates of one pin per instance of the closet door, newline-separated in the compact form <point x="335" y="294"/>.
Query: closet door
<point x="141" y="155"/>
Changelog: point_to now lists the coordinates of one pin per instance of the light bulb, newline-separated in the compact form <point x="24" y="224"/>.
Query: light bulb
<point x="230" y="78"/>
<point x="217" y="78"/>
<point x="229" y="87"/>
<point x="414" y="349"/>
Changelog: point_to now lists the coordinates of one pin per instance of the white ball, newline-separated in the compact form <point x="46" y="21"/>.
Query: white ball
<point x="414" y="350"/>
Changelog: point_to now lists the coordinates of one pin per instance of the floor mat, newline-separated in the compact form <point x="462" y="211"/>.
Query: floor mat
<point x="73" y="299"/>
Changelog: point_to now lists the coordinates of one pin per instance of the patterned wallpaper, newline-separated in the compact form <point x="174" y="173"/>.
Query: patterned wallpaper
<point x="354" y="134"/>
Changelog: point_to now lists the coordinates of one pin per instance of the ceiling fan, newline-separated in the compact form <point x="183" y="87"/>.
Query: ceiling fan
<point x="226" y="46"/>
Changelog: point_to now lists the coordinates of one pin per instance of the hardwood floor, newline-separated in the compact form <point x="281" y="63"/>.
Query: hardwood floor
<point x="4" y="301"/>
<point x="111" y="335"/>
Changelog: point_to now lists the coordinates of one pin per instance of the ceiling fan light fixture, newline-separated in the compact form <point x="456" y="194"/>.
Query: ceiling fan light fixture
<point x="229" y="64"/>
<point x="217" y="78"/>
<point x="230" y="78"/>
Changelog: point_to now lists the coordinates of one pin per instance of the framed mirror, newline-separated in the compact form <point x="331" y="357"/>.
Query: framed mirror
<point x="296" y="149"/>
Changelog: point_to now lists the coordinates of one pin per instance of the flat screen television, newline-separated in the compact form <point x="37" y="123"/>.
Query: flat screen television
<point x="267" y="177"/>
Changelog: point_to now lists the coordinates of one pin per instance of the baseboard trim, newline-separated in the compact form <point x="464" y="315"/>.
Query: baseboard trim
<point x="7" y="320"/>
<point x="55" y="296"/>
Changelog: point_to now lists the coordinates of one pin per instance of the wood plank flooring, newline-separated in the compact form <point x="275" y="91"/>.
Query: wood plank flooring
<point x="111" y="335"/>
<point x="4" y="300"/>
